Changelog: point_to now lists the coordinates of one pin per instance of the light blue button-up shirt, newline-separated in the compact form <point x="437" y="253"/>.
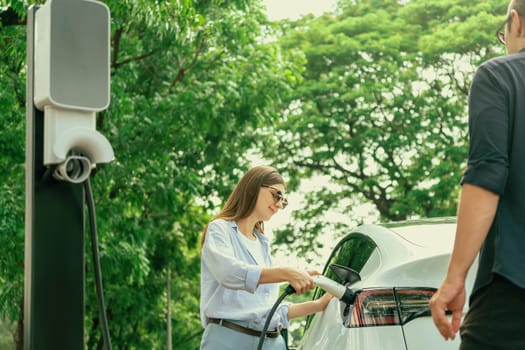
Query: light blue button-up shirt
<point x="230" y="279"/>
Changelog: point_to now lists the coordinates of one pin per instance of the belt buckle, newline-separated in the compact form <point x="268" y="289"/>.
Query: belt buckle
<point x="275" y="333"/>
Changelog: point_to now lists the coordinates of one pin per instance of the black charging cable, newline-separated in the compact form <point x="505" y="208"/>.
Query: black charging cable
<point x="96" y="264"/>
<point x="289" y="290"/>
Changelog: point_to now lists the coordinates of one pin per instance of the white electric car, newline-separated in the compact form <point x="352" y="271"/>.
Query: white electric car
<point x="396" y="270"/>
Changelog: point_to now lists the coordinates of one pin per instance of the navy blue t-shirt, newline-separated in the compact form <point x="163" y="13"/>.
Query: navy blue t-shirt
<point x="496" y="162"/>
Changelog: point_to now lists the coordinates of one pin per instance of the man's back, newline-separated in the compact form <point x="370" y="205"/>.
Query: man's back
<point x="497" y="162"/>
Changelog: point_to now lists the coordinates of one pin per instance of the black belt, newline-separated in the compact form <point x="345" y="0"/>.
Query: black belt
<point x="249" y="331"/>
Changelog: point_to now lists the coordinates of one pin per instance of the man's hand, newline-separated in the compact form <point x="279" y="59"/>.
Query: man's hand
<point x="450" y="296"/>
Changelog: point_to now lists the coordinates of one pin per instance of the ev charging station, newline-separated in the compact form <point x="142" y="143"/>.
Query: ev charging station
<point x="68" y="81"/>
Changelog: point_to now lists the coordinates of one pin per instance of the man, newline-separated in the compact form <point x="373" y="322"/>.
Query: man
<point x="491" y="213"/>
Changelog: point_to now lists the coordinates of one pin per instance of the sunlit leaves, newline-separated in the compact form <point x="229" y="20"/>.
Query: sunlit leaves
<point x="382" y="110"/>
<point x="191" y="83"/>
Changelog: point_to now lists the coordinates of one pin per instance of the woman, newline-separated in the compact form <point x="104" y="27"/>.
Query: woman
<point x="239" y="285"/>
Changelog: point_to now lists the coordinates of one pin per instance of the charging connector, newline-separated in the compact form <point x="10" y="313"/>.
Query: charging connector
<point x="339" y="291"/>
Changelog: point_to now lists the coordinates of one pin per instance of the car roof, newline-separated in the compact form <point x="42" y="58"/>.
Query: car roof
<point x="436" y="233"/>
<point x="400" y="242"/>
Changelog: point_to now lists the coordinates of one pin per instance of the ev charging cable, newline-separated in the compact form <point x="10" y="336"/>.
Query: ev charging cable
<point x="341" y="292"/>
<point x="289" y="290"/>
<point x="96" y="264"/>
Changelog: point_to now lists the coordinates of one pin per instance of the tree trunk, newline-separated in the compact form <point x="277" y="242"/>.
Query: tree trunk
<point x="19" y="334"/>
<point x="168" y="318"/>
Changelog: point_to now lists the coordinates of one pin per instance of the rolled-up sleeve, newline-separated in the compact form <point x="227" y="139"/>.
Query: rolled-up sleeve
<point x="488" y="157"/>
<point x="218" y="255"/>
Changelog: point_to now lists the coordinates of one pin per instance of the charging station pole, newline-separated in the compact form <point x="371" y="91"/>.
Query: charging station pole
<point x="54" y="242"/>
<point x="54" y="223"/>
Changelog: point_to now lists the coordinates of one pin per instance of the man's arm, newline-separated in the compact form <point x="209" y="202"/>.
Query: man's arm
<point x="477" y="208"/>
<point x="476" y="212"/>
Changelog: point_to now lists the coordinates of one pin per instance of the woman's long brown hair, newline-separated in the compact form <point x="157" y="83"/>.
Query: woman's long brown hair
<point x="243" y="198"/>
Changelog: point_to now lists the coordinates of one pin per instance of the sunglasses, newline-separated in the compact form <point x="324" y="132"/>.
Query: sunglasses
<point x="278" y="196"/>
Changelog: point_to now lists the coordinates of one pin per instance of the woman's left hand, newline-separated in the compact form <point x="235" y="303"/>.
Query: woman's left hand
<point x="324" y="300"/>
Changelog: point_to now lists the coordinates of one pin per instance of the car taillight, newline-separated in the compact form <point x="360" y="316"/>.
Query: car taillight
<point x="387" y="307"/>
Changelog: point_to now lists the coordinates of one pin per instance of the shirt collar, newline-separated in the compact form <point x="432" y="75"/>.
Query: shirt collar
<point x="259" y="234"/>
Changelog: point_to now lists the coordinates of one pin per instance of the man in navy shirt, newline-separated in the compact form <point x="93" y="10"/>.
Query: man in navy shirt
<point x="491" y="213"/>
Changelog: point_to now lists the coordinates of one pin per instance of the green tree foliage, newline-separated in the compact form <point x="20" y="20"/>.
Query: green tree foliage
<point x="192" y="81"/>
<point x="12" y="140"/>
<point x="381" y="112"/>
<point x="372" y="97"/>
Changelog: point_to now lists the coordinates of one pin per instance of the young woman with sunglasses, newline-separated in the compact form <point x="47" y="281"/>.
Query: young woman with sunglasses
<point x="239" y="284"/>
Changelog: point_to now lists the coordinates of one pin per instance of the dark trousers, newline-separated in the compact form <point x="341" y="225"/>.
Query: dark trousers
<point x="496" y="318"/>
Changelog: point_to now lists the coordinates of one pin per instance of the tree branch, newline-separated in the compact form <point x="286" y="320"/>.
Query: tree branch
<point x="116" y="46"/>
<point x="183" y="69"/>
<point x="132" y="59"/>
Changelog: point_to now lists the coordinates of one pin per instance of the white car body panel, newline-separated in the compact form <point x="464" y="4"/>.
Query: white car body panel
<point x="406" y="257"/>
<point x="431" y="339"/>
<point x="329" y="333"/>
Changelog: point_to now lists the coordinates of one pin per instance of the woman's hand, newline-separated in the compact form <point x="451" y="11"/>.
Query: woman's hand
<point x="300" y="280"/>
<point x="309" y="307"/>
<point x="324" y="301"/>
